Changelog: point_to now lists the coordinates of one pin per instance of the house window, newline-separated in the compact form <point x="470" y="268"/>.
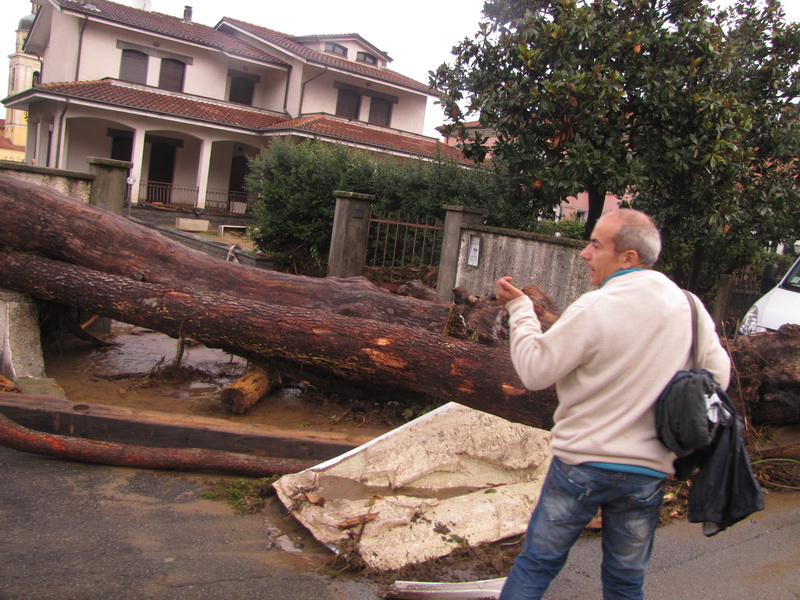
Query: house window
<point x="171" y="76"/>
<point x="366" y="58"/>
<point x="380" y="112"/>
<point x="121" y="144"/>
<point x="133" y="67"/>
<point x="242" y="90"/>
<point x="36" y="78"/>
<point x="348" y="104"/>
<point x="337" y="49"/>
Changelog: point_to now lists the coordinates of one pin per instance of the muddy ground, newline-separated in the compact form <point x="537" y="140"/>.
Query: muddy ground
<point x="126" y="373"/>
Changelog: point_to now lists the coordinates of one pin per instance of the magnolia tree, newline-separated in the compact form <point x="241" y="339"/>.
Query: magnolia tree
<point x="688" y="110"/>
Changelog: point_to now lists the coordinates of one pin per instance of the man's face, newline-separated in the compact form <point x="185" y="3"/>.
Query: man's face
<point x="601" y="255"/>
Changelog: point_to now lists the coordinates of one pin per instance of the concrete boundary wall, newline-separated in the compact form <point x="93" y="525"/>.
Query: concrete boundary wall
<point x="552" y="263"/>
<point x="20" y="346"/>
<point x="72" y="183"/>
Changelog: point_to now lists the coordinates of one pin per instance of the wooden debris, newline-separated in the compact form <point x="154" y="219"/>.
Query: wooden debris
<point x="357" y="521"/>
<point x="248" y="390"/>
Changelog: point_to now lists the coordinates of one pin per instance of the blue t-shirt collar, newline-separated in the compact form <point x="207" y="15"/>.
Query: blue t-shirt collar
<point x="621" y="272"/>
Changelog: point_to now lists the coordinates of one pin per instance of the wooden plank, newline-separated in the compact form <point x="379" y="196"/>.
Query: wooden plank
<point x="169" y="430"/>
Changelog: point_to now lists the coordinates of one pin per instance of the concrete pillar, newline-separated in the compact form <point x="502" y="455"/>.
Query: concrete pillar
<point x="203" y="169"/>
<point x="137" y="155"/>
<point x="20" y="342"/>
<point x="456" y="217"/>
<point x="350" y="231"/>
<point x="110" y="186"/>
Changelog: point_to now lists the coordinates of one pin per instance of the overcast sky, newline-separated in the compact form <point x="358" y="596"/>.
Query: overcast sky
<point x="417" y="34"/>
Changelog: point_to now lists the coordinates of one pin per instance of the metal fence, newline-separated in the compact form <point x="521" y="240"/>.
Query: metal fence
<point x="399" y="242"/>
<point x="237" y="203"/>
<point x="169" y="193"/>
<point x="185" y="196"/>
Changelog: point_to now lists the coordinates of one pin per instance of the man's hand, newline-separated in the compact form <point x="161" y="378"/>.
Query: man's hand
<point x="506" y="290"/>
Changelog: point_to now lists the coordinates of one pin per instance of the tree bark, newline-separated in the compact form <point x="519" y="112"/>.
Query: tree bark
<point x="41" y="220"/>
<point x="766" y="375"/>
<point x="302" y="342"/>
<point x="13" y="435"/>
<point x="245" y="392"/>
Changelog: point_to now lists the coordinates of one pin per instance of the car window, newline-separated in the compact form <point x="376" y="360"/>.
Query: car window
<point x="792" y="280"/>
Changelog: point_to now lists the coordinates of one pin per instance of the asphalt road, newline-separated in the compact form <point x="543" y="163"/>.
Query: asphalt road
<point x="73" y="531"/>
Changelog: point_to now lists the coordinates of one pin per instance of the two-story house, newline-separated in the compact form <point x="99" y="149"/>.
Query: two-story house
<point x="188" y="104"/>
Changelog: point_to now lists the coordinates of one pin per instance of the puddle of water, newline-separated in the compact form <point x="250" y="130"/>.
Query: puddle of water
<point x="116" y="375"/>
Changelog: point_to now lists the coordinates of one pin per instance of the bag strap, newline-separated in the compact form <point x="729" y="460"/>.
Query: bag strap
<point x="694" y="326"/>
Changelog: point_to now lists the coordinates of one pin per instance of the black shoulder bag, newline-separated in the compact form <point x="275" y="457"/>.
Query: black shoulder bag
<point x="690" y="409"/>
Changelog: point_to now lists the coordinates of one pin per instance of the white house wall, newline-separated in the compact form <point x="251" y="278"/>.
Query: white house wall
<point x="408" y="113"/>
<point x="61" y="52"/>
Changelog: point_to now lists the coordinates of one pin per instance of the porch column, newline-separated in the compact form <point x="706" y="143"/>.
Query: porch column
<point x="137" y="158"/>
<point x="32" y="141"/>
<point x="451" y="246"/>
<point x="60" y="141"/>
<point x="350" y="231"/>
<point x="203" y="168"/>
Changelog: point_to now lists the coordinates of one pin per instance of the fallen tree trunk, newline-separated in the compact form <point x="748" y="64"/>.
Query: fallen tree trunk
<point x="13" y="435"/>
<point x="304" y="325"/>
<point x="42" y="220"/>
<point x="64" y="229"/>
<point x="298" y="341"/>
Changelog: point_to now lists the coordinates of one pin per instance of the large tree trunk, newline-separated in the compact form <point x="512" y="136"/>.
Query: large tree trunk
<point x="41" y="220"/>
<point x="302" y="342"/>
<point x="339" y="331"/>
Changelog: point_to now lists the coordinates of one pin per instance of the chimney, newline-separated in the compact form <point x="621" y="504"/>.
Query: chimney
<point x="187" y="14"/>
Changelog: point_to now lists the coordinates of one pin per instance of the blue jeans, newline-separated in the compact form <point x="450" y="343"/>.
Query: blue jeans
<point x="570" y="497"/>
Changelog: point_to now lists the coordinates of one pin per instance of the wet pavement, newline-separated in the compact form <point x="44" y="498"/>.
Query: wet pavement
<point x="73" y="531"/>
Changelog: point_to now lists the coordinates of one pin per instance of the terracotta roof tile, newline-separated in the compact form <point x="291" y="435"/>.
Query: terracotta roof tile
<point x="216" y="38"/>
<point x="257" y="121"/>
<point x="117" y="93"/>
<point x="337" y="128"/>
<point x="5" y="144"/>
<point x="291" y="44"/>
<point x="169" y="25"/>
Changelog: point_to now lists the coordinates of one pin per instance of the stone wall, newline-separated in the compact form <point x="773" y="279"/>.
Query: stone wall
<point x="552" y="263"/>
<point x="72" y="183"/>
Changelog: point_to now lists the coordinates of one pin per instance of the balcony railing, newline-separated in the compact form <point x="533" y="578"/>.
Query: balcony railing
<point x="185" y="196"/>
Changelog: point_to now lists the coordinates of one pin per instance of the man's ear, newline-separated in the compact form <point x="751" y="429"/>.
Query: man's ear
<point x="630" y="259"/>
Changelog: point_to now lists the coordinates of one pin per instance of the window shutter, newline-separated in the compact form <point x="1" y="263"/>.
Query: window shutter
<point x="133" y="67"/>
<point x="171" y="76"/>
<point x="348" y="104"/>
<point x="380" y="112"/>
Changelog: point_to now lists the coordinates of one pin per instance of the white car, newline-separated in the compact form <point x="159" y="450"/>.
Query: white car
<point x="777" y="307"/>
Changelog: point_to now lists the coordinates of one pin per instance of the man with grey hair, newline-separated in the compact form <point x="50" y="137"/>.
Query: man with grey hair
<point x="610" y="355"/>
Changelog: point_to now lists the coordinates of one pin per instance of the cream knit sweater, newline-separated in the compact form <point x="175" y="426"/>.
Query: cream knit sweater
<point x="610" y="354"/>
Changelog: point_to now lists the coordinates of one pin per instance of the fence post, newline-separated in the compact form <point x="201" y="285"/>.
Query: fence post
<point x="722" y="303"/>
<point x="109" y="188"/>
<point x="456" y="217"/>
<point x="350" y="231"/>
